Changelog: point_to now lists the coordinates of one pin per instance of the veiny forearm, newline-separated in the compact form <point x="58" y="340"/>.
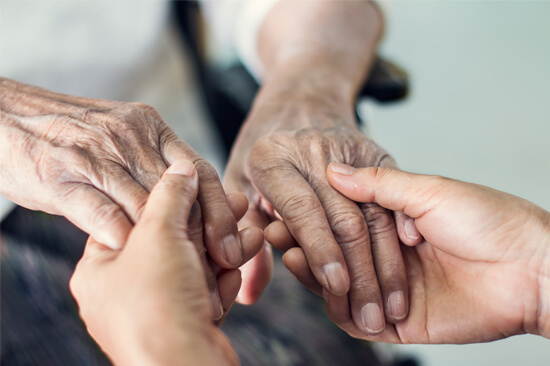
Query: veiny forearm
<point x="319" y="47"/>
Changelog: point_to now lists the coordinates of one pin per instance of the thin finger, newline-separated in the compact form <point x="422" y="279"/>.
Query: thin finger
<point x="229" y="283"/>
<point x="196" y="237"/>
<point x="95" y="213"/>
<point x="277" y="234"/>
<point x="352" y="234"/>
<point x="388" y="261"/>
<point x="305" y="218"/>
<point x="296" y="262"/>
<point x="220" y="226"/>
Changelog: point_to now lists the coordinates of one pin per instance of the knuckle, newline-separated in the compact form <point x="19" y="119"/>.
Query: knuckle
<point x="299" y="209"/>
<point x="170" y="184"/>
<point x="206" y="170"/>
<point x="349" y="227"/>
<point x="378" y="219"/>
<point x="107" y="214"/>
<point x="366" y="285"/>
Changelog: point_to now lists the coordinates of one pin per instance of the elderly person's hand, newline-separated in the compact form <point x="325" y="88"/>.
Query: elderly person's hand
<point x="481" y="272"/>
<point x="148" y="303"/>
<point x="348" y="246"/>
<point x="315" y="56"/>
<point x="95" y="161"/>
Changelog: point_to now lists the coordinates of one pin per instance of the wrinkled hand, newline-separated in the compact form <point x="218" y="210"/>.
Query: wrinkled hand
<point x="148" y="303"/>
<point x="95" y="161"/>
<point x="347" y="246"/>
<point x="481" y="271"/>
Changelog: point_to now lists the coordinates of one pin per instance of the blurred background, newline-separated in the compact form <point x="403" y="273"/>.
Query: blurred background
<point x="478" y="110"/>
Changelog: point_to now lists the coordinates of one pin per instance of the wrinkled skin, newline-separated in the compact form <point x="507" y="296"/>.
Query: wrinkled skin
<point x="148" y="303"/>
<point x="349" y="247"/>
<point x="480" y="272"/>
<point x="95" y="162"/>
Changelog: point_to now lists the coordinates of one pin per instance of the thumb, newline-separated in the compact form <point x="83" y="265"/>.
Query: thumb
<point x="396" y="190"/>
<point x="171" y="200"/>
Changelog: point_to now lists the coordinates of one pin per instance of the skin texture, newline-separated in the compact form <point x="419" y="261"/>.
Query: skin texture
<point x="148" y="304"/>
<point x="480" y="272"/>
<point x="95" y="162"/>
<point x="315" y="55"/>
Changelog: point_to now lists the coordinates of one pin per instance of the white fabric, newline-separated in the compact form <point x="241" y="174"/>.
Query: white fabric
<point x="235" y="25"/>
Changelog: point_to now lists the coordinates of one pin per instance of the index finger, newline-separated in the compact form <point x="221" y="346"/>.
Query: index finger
<point x="294" y="198"/>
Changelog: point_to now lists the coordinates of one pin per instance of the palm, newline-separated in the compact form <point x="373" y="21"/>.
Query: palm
<point x="455" y="299"/>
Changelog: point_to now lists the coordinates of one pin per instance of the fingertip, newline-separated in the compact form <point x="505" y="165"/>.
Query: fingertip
<point x="252" y="239"/>
<point x="182" y="167"/>
<point x="341" y="169"/>
<point x="407" y="230"/>
<point x="238" y="204"/>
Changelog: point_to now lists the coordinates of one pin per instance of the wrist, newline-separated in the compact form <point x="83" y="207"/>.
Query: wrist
<point x="164" y="346"/>
<point x="299" y="95"/>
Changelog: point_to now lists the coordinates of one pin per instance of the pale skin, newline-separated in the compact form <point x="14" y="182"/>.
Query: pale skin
<point x="481" y="271"/>
<point x="315" y="56"/>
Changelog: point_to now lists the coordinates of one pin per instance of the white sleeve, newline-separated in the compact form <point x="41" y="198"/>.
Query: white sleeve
<point x="236" y="24"/>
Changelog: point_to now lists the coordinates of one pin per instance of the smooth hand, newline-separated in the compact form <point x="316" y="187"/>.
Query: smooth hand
<point x="482" y="269"/>
<point x="95" y="162"/>
<point x="148" y="303"/>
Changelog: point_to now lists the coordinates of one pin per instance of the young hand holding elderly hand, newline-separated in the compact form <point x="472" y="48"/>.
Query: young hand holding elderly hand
<point x="481" y="272"/>
<point x="148" y="303"/>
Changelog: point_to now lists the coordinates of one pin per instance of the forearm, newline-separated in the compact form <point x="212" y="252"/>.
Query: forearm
<point x="318" y="50"/>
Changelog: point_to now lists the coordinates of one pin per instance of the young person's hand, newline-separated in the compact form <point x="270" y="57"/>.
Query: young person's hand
<point x="481" y="272"/>
<point x="149" y="303"/>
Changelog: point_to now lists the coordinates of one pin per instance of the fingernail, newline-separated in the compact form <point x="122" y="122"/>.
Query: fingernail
<point x="337" y="279"/>
<point x="217" y="308"/>
<point x="341" y="168"/>
<point x="372" y="318"/>
<point x="396" y="305"/>
<point x="182" y="167"/>
<point x="232" y="250"/>
<point x="410" y="229"/>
